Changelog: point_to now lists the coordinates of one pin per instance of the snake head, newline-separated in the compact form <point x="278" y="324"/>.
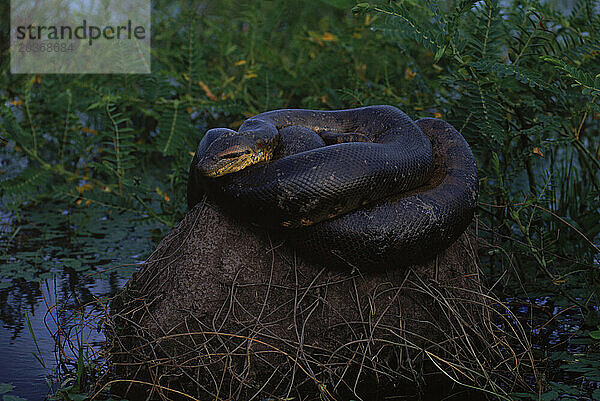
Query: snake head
<point x="223" y="151"/>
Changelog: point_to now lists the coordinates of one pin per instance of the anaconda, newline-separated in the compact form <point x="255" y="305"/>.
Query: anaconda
<point x="365" y="187"/>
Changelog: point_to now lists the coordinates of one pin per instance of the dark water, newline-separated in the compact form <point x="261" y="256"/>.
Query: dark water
<point x="18" y="366"/>
<point x="51" y="278"/>
<point x="34" y="377"/>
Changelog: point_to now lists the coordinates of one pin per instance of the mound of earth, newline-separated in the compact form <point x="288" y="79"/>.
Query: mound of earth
<point x="224" y="311"/>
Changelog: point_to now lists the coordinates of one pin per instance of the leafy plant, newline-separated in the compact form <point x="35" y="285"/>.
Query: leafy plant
<point x="520" y="79"/>
<point x="521" y="83"/>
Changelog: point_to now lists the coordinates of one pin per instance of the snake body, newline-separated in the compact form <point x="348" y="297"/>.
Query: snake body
<point x="393" y="191"/>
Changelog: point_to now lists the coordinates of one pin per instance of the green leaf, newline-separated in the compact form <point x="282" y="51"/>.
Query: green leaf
<point x="27" y="181"/>
<point x="400" y="24"/>
<point x="439" y="54"/>
<point x="174" y="125"/>
<point x="521" y="74"/>
<point x="39" y="355"/>
<point x="74" y="264"/>
<point x="549" y="396"/>
<point x="6" y="388"/>
<point x="361" y="7"/>
<point x="13" y="398"/>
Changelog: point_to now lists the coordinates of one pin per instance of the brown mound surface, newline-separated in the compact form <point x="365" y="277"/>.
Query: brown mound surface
<point x="221" y="311"/>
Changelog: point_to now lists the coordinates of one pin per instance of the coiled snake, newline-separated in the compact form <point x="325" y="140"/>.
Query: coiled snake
<point x="364" y="187"/>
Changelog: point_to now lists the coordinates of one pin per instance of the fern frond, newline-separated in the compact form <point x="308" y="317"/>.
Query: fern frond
<point x="219" y="106"/>
<point x="399" y="26"/>
<point x="476" y="113"/>
<point x="491" y="114"/>
<point x="12" y="129"/>
<point x="571" y="44"/>
<point x="522" y="74"/>
<point x="456" y="18"/>
<point x="529" y="35"/>
<point x="173" y="127"/>
<point x="28" y="181"/>
<point x="589" y="84"/>
<point x="585" y="12"/>
<point x="487" y="39"/>
<point x="194" y="60"/>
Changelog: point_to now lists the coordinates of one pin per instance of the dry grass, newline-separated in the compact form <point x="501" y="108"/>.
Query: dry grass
<point x="270" y="340"/>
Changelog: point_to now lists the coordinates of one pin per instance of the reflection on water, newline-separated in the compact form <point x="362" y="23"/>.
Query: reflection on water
<point x="30" y="365"/>
<point x="46" y="274"/>
<point x="18" y="365"/>
<point x="569" y="358"/>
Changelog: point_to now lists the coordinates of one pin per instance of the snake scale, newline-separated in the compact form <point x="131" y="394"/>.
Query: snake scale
<point x="366" y="187"/>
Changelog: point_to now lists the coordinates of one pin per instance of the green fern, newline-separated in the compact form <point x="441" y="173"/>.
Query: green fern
<point x="488" y="32"/>
<point x="174" y="126"/>
<point x="27" y="182"/>
<point x="521" y="74"/>
<point x="589" y="84"/>
<point x="399" y="25"/>
<point x="12" y="129"/>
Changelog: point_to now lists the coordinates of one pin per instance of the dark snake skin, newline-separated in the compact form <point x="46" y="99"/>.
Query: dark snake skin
<point x="398" y="199"/>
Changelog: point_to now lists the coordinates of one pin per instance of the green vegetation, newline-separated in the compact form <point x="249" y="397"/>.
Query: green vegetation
<point x="520" y="79"/>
